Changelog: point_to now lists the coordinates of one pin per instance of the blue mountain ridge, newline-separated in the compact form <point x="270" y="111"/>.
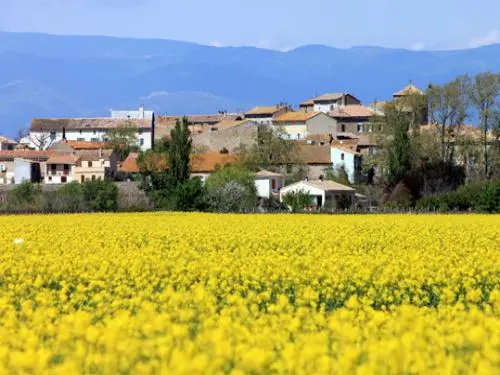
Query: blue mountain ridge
<point x="82" y="76"/>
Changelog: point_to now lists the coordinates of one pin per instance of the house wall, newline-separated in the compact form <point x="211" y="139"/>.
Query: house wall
<point x="294" y="131"/>
<point x="351" y="126"/>
<point x="264" y="186"/>
<point x="202" y="176"/>
<point x="300" y="186"/>
<point x="86" y="135"/>
<point x="351" y="163"/>
<point x="231" y="139"/>
<point x="321" y="124"/>
<point x="55" y="177"/>
<point x="326" y="107"/>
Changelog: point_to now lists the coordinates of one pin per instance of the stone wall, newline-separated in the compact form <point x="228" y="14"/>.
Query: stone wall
<point x="231" y="139"/>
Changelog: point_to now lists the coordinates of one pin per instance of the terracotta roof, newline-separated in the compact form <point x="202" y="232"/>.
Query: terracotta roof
<point x="264" y="110"/>
<point x="314" y="154"/>
<point x="24" y="154"/>
<point x="367" y="139"/>
<point x="411" y="89"/>
<point x="84" y="145"/>
<point x="352" y="111"/>
<point x="206" y="163"/>
<point x="320" y="137"/>
<point x="347" y="147"/>
<point x="328" y="185"/>
<point x="307" y="103"/>
<point x="94" y="155"/>
<point x="325" y="185"/>
<point x="228" y="124"/>
<point x="200" y="163"/>
<point x="6" y="140"/>
<point x="88" y="123"/>
<point x="295" y="116"/>
<point x="63" y="159"/>
<point x="130" y="163"/>
<point x="264" y="173"/>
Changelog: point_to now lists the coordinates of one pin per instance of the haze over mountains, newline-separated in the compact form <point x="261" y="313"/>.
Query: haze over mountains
<point x="79" y="76"/>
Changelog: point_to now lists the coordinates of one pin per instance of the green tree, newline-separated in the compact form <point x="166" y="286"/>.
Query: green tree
<point x="271" y="149"/>
<point x="123" y="139"/>
<point x="101" y="195"/>
<point x="225" y="195"/>
<point x="179" y="152"/>
<point x="399" y="148"/>
<point x="297" y="201"/>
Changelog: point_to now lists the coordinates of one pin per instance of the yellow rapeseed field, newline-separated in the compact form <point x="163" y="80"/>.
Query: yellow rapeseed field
<point x="249" y="294"/>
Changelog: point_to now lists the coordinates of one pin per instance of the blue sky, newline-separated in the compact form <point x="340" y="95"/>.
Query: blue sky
<point x="276" y="24"/>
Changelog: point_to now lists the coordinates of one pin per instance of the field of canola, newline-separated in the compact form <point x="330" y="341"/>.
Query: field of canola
<point x="236" y="294"/>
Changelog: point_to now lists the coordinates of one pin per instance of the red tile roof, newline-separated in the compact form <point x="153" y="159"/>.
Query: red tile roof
<point x="24" y="154"/>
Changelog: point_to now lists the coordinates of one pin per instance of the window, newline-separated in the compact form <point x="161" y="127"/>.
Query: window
<point x="53" y="167"/>
<point x="82" y="179"/>
<point x="141" y="141"/>
<point x="52" y="135"/>
<point x="89" y="164"/>
<point x="95" y="132"/>
<point x="66" y="166"/>
<point x="273" y="184"/>
<point x="360" y="127"/>
<point x="298" y="135"/>
<point x="80" y="131"/>
<point x="342" y="128"/>
<point x="64" y="180"/>
<point x="342" y="156"/>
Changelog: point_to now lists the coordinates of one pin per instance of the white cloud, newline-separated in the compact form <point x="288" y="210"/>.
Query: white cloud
<point x="417" y="46"/>
<point x="492" y="37"/>
<point x="216" y="43"/>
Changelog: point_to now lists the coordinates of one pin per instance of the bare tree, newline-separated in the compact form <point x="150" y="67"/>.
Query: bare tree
<point x="484" y="94"/>
<point x="448" y="105"/>
<point x="42" y="140"/>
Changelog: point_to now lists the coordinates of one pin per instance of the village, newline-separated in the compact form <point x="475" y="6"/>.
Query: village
<point x="333" y="134"/>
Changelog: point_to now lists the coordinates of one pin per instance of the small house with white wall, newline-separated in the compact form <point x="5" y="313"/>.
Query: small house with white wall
<point x="61" y="169"/>
<point x="268" y="183"/>
<point x="345" y="157"/>
<point x="265" y="114"/>
<point x="324" y="193"/>
<point x="328" y="102"/>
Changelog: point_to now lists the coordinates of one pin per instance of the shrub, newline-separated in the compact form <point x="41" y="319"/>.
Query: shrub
<point x="400" y="197"/>
<point x="26" y="196"/>
<point x="489" y="198"/>
<point x="297" y="201"/>
<point x="69" y="198"/>
<point x="101" y="195"/>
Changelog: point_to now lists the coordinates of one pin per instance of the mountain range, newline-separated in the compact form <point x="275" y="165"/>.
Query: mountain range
<point x="83" y="76"/>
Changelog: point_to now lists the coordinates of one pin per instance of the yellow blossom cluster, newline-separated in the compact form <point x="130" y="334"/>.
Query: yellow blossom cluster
<point x="196" y="293"/>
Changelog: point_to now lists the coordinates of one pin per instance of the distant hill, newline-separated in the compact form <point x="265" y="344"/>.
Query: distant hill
<point x="54" y="76"/>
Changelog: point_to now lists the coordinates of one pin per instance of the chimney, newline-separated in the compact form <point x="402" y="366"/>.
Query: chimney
<point x="141" y="112"/>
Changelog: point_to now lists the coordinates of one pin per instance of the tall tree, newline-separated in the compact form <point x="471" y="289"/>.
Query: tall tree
<point x="179" y="151"/>
<point x="123" y="139"/>
<point x="484" y="94"/>
<point x="399" y="151"/>
<point x="448" y="109"/>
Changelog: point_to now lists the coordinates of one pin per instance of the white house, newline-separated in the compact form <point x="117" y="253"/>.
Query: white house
<point x="346" y="157"/>
<point x="299" y="125"/>
<point x="266" y="114"/>
<point x="7" y="144"/>
<point x="268" y="183"/>
<point x="46" y="132"/>
<point x="61" y="169"/>
<point x="328" y="102"/>
<point x="323" y="192"/>
<point x="140" y="114"/>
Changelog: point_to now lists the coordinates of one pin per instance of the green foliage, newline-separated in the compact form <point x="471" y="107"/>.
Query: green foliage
<point x="26" y="196"/>
<point x="101" y="195"/>
<point x="188" y="196"/>
<point x="221" y="192"/>
<point x="69" y="198"/>
<point x="489" y="199"/>
<point x="272" y="148"/>
<point x="297" y="201"/>
<point x="343" y="202"/>
<point x="123" y="139"/>
<point x="339" y="175"/>
<point x="179" y="150"/>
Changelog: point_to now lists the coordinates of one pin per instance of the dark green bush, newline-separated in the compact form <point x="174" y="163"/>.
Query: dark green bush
<point x="100" y="195"/>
